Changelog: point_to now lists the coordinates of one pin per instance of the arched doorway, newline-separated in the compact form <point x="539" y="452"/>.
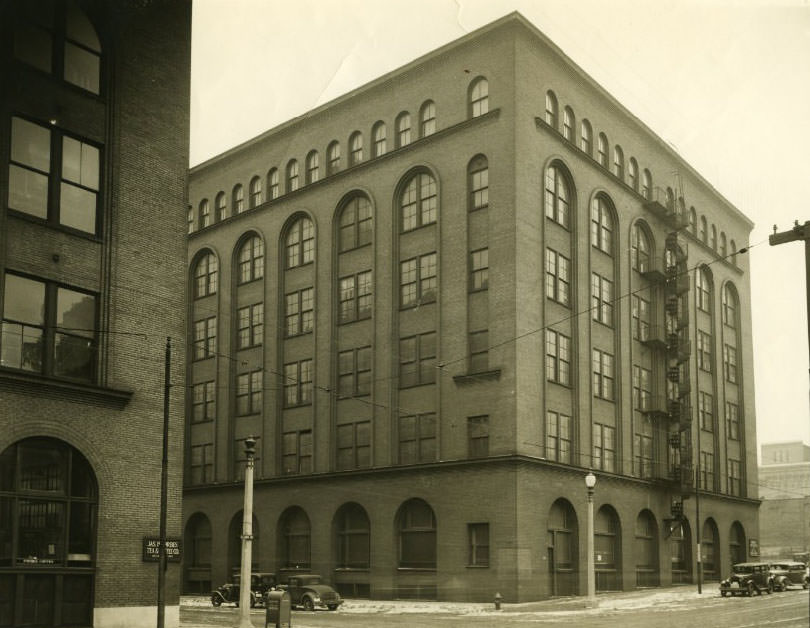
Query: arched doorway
<point x="352" y="542"/>
<point x="294" y="540"/>
<point x="680" y="540"/>
<point x="416" y="550"/>
<point x="736" y="543"/>
<point x="608" y="547"/>
<point x="197" y="555"/>
<point x="235" y="545"/>
<point x="646" y="550"/>
<point x="48" y="506"/>
<point x="710" y="551"/>
<point x="562" y="549"/>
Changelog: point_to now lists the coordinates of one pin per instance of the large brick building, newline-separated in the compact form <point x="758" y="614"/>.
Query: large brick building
<point x="93" y="186"/>
<point x="438" y="301"/>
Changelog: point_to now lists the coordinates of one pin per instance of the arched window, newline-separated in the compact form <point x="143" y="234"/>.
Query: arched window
<point x="250" y="260"/>
<point x="418" y="202"/>
<point x="333" y="157"/>
<point x="607" y="545"/>
<point x="646" y="550"/>
<point x="618" y="162"/>
<point x="703" y="229"/>
<point x="703" y="290"/>
<point x="68" y="31"/>
<point x="427" y="118"/>
<point x="568" y="124"/>
<point x="255" y="192"/>
<point x="300" y="243"/>
<point x="602" y="224"/>
<point x="355" y="223"/>
<point x="680" y="541"/>
<point x="352" y="537"/>
<point x="646" y="184"/>
<point x="562" y="552"/>
<point x="292" y="175"/>
<point x="47" y="533"/>
<point x="205" y="213"/>
<point x="378" y="134"/>
<point x="709" y="549"/>
<point x="713" y="240"/>
<point x="557" y="195"/>
<point x="730" y="308"/>
<point x="273" y="185"/>
<point x="693" y="221"/>
<point x="632" y="173"/>
<point x="294" y="539"/>
<point x="313" y="166"/>
<point x="479" y="97"/>
<point x="723" y="245"/>
<point x="551" y="109"/>
<point x="736" y="543"/>
<point x="197" y="542"/>
<point x="478" y="182"/>
<point x="221" y="204"/>
<point x="238" y="199"/>
<point x="733" y="246"/>
<point x="416" y="527"/>
<point x="190" y="219"/>
<point x="403" y="129"/>
<point x="205" y="276"/>
<point x="602" y="150"/>
<point x="586" y="138"/>
<point x="640" y="249"/>
<point x="355" y="148"/>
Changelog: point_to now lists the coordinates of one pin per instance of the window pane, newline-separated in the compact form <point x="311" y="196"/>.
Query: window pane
<point x="24" y="300"/>
<point x="30" y="144"/>
<point x="76" y="312"/>
<point x="77" y="208"/>
<point x="28" y="191"/>
<point x="41" y="531"/>
<point x="77" y="600"/>
<point x="33" y="46"/>
<point x="73" y="356"/>
<point x="80" y="163"/>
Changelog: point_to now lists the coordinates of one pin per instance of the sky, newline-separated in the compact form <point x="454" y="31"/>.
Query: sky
<point x="726" y="84"/>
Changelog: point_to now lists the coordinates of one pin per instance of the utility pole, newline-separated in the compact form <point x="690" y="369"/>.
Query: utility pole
<point x="164" y="481"/>
<point x="247" y="538"/>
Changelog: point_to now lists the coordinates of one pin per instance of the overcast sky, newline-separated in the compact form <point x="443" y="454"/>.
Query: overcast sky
<point x="727" y="84"/>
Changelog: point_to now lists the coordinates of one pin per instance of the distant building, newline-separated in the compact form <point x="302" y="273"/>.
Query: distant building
<point x="438" y="301"/>
<point x="94" y="118"/>
<point x="784" y="487"/>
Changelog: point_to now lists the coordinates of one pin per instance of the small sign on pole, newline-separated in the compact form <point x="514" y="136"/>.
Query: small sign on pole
<point x="151" y="549"/>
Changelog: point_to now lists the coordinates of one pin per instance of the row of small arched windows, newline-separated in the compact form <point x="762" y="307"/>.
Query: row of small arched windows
<point x="294" y="178"/>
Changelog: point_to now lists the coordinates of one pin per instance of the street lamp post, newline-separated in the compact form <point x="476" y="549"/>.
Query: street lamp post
<point x="590" y="483"/>
<point x="247" y="537"/>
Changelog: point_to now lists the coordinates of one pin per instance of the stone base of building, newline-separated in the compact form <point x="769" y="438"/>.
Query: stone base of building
<point x="134" y="617"/>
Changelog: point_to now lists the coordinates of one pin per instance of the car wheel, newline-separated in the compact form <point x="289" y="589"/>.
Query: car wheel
<point x="724" y="593"/>
<point x="750" y="589"/>
<point x="216" y="600"/>
<point x="308" y="604"/>
<point x="769" y="590"/>
<point x="332" y="607"/>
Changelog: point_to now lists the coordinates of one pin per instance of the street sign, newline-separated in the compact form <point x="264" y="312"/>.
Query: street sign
<point x="151" y="549"/>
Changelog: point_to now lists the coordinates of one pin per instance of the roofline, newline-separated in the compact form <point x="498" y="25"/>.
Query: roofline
<point x="513" y="18"/>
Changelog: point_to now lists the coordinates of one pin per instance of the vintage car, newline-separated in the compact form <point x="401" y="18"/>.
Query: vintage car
<point x="788" y="573"/>
<point x="307" y="591"/>
<point x="260" y="583"/>
<point x="747" y="579"/>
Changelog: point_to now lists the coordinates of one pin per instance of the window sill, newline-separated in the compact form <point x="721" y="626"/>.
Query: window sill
<point x="416" y="569"/>
<point x="63" y="389"/>
<point x="477" y="566"/>
<point x="471" y="378"/>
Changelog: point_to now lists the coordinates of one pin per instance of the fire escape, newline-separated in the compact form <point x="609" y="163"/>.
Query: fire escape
<point x="673" y="466"/>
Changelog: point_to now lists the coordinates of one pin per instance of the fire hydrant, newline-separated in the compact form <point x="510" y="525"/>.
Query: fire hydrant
<point x="498" y="600"/>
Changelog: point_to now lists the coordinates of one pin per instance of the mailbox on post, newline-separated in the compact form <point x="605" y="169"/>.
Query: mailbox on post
<point x="278" y="609"/>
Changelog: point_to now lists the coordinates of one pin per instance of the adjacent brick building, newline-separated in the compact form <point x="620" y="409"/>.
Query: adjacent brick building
<point x="94" y="119"/>
<point x="438" y="301"/>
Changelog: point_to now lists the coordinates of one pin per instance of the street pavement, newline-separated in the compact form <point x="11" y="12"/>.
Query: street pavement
<point x="673" y="607"/>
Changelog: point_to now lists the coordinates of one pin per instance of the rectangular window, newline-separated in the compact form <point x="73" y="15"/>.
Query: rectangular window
<point x="734" y="477"/>
<point x="641" y="387"/>
<point x="706" y="470"/>
<point x="558" y="357"/>
<point x="205" y="338"/>
<point x="479" y="270"/>
<point x="558" y="437"/>
<point x="479" y="351"/>
<point x="604" y="447"/>
<point x="602" y="299"/>
<point x="354" y="445"/>
<point x="355" y="297"/>
<point x="478" y="535"/>
<point x="704" y="351"/>
<point x="417" y="438"/>
<point x="478" y="436"/>
<point x="354" y="372"/>
<point x="296" y="452"/>
<point x="732" y="421"/>
<point x="250" y="322"/>
<point x="640" y="310"/>
<point x="298" y="383"/>
<point x="298" y="312"/>
<point x="417" y="360"/>
<point x="417" y="280"/>
<point x="202" y="463"/>
<point x="204" y="404"/>
<point x="602" y="375"/>
<point x="479" y="188"/>
<point x="48" y="329"/>
<point x="249" y="393"/>
<point x="53" y="176"/>
<point x="706" y="411"/>
<point x="558" y="277"/>
<point x="730" y="363"/>
<point x="643" y="459"/>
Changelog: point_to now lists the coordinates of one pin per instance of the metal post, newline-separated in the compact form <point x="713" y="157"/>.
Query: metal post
<point x="164" y="480"/>
<point x="590" y="482"/>
<point x="697" y="524"/>
<point x="247" y="538"/>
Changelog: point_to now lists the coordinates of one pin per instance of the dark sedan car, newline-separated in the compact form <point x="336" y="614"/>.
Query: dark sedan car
<point x="308" y="591"/>
<point x="747" y="579"/>
<point x="788" y="573"/>
<point x="260" y="583"/>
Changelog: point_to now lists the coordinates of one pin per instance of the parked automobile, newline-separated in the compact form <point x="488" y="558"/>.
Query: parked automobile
<point x="747" y="579"/>
<point x="307" y="591"/>
<point x="260" y="583"/>
<point x="788" y="573"/>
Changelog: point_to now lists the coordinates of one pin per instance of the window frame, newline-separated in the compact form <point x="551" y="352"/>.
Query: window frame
<point x="423" y="195"/>
<point x="558" y="277"/>
<point x="558" y="368"/>
<point x="479" y="97"/>
<point x="420" y="369"/>
<point x="604" y="375"/>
